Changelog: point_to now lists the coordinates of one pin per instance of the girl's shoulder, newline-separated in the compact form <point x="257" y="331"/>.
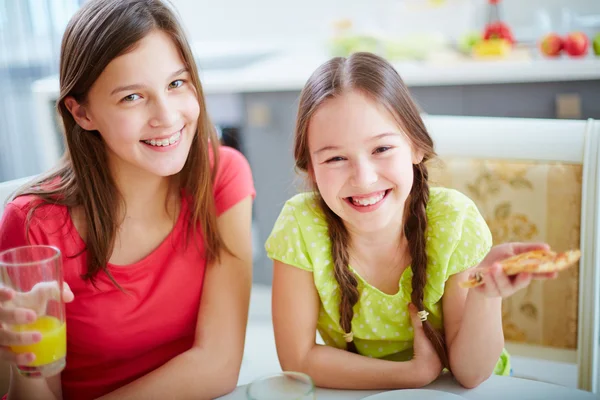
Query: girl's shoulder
<point x="303" y="209"/>
<point x="300" y="234"/>
<point x="233" y="180"/>
<point x="457" y="234"/>
<point x="34" y="207"/>
<point x="447" y="200"/>
<point x="448" y="210"/>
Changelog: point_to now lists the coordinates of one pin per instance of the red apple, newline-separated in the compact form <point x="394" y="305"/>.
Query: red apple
<point x="576" y="44"/>
<point x="551" y="45"/>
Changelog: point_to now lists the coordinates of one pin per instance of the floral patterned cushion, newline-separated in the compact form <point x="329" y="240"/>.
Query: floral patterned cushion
<point x="527" y="202"/>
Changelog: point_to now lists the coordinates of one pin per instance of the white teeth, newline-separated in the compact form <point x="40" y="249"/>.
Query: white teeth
<point x="164" y="142"/>
<point x="368" y="201"/>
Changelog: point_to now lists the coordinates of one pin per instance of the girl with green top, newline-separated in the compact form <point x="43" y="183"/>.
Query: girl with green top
<point x="372" y="258"/>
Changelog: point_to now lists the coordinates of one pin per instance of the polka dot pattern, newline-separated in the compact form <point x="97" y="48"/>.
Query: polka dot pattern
<point x="457" y="239"/>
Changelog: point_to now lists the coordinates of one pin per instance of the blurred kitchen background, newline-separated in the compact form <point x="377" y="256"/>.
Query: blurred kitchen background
<point x="255" y="56"/>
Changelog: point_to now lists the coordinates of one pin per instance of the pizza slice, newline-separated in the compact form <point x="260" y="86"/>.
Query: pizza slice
<point x="535" y="262"/>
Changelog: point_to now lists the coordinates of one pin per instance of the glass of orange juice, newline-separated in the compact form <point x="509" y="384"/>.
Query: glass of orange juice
<point x="35" y="274"/>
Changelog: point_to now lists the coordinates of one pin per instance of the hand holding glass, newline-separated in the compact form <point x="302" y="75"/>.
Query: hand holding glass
<point x="32" y="310"/>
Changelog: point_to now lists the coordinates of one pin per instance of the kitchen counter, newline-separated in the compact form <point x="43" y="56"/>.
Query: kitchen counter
<point x="255" y="89"/>
<point x="288" y="71"/>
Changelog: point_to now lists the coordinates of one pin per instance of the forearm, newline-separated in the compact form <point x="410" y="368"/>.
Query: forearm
<point x="194" y="374"/>
<point x="478" y="344"/>
<point x="31" y="388"/>
<point x="339" y="369"/>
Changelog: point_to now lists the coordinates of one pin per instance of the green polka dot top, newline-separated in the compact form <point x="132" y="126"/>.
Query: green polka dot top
<point x="457" y="239"/>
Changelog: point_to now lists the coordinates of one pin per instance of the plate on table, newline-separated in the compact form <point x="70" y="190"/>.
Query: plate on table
<point x="414" y="394"/>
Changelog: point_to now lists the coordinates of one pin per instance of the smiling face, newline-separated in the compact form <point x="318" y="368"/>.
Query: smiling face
<point x="145" y="107"/>
<point x="361" y="161"/>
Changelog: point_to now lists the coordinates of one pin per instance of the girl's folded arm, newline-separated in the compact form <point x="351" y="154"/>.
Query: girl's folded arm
<point x="296" y="306"/>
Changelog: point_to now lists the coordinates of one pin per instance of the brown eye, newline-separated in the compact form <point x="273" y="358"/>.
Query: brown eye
<point x="175" y="84"/>
<point x="131" y="97"/>
<point x="381" y="149"/>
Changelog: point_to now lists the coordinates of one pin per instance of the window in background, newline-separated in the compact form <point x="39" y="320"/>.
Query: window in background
<point x="30" y="35"/>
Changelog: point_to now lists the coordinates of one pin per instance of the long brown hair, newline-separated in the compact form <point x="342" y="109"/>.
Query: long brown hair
<point x="376" y="79"/>
<point x="100" y="31"/>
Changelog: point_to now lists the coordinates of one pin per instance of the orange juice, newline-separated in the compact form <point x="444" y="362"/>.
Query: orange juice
<point x="53" y="345"/>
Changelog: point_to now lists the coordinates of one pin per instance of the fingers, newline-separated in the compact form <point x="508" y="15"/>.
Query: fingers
<point x="45" y="291"/>
<point x="497" y="284"/>
<point x="17" y="316"/>
<point x="15" y="340"/>
<point x="545" y="275"/>
<point x="68" y="295"/>
<point x="10" y="338"/>
<point x="40" y="293"/>
<point x="25" y="307"/>
<point x="522" y="247"/>
<point x="14" y="315"/>
<point x="521" y="281"/>
<point x="488" y="287"/>
<point x="504" y="286"/>
<point x="50" y="291"/>
<point x="19" y="359"/>
<point x="6" y="294"/>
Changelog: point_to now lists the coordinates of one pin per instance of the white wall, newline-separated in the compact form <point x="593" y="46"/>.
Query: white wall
<point x="310" y="20"/>
<point x="262" y="19"/>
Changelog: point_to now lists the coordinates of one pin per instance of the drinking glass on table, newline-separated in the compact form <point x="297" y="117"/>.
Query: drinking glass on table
<point x="35" y="274"/>
<point x="282" y="386"/>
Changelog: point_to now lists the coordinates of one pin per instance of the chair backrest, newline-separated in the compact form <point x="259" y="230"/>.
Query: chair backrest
<point x="535" y="180"/>
<point x="7" y="188"/>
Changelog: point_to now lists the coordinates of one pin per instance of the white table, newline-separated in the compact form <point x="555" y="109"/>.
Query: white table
<point x="496" y="387"/>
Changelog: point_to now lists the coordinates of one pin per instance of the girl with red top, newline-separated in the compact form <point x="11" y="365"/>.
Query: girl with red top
<point x="151" y="215"/>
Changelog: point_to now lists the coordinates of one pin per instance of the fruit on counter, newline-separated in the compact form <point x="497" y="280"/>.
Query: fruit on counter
<point x="597" y="44"/>
<point x="468" y="41"/>
<point x="498" y="30"/>
<point x="495" y="27"/>
<point x="492" y="48"/>
<point x="576" y="44"/>
<point x="551" y="45"/>
<point x="413" y="46"/>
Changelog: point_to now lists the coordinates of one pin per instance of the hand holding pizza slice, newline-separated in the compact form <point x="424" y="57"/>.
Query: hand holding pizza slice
<point x="538" y="261"/>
